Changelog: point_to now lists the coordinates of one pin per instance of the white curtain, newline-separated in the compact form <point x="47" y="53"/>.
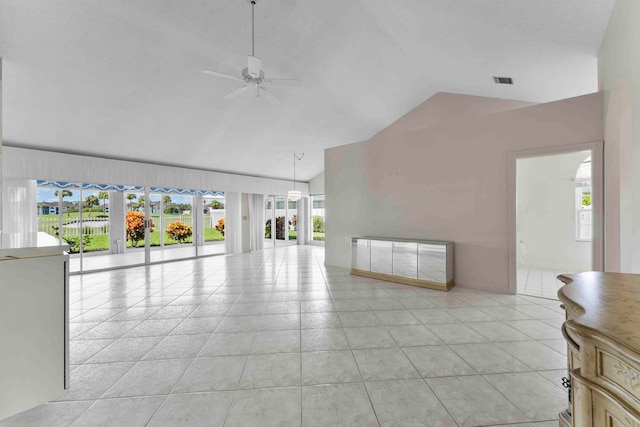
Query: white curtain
<point x="20" y="213"/>
<point x="233" y="223"/>
<point x="256" y="221"/>
<point x="302" y="224"/>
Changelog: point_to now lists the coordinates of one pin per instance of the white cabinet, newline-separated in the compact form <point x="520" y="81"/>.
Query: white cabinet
<point x="33" y="328"/>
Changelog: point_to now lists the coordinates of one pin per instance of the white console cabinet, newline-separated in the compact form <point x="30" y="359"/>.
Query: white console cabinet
<point x="33" y="325"/>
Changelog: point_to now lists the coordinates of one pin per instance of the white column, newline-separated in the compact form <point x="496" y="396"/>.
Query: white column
<point x="117" y="222"/>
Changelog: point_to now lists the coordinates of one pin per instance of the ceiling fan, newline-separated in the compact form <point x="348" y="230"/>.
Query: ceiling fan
<point x="252" y="76"/>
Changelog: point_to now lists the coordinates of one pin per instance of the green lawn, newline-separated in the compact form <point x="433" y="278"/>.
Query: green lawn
<point x="100" y="242"/>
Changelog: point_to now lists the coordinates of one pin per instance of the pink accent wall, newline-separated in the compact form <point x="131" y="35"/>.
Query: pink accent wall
<point x="619" y="79"/>
<point x="446" y="178"/>
<point x="618" y="179"/>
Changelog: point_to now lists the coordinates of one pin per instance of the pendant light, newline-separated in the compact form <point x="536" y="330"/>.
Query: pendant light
<point x="295" y="194"/>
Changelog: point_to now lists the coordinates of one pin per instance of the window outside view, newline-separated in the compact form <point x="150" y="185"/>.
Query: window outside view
<point x="317" y="217"/>
<point x="171" y="216"/>
<point x="583" y="201"/>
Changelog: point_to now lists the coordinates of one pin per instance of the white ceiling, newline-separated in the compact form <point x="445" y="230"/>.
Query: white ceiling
<point x="121" y="78"/>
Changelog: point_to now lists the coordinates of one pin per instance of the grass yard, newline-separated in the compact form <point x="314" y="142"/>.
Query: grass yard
<point x="100" y="242"/>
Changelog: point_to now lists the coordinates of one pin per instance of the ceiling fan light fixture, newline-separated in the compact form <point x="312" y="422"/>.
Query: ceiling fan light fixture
<point x="253" y="75"/>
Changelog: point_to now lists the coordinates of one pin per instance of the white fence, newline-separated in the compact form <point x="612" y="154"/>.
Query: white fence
<point x="91" y="225"/>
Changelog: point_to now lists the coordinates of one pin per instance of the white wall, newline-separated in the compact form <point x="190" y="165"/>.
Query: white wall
<point x="447" y="181"/>
<point x="39" y="164"/>
<point x="1" y="171"/>
<point x="316" y="184"/>
<point x="619" y="74"/>
<point x="546" y="213"/>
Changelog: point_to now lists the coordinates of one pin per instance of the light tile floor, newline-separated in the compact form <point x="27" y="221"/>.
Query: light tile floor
<point x="539" y="282"/>
<point x="97" y="261"/>
<point x="276" y="339"/>
<point x="135" y="256"/>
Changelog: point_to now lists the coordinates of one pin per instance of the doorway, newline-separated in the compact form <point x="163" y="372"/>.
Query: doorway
<point x="556" y="218"/>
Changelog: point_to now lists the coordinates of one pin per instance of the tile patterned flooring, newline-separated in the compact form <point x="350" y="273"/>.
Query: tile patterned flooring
<point x="275" y="338"/>
<point x="102" y="261"/>
<point x="539" y="282"/>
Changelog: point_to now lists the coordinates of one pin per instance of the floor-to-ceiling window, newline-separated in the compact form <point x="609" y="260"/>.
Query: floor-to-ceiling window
<point x="173" y="215"/>
<point x="281" y="220"/>
<point x="292" y="220"/>
<point x="317" y="219"/>
<point x="212" y="223"/>
<point x="110" y="226"/>
<point x="269" y="223"/>
<point x="127" y="221"/>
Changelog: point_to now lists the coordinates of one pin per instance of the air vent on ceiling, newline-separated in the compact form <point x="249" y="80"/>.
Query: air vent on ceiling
<point x="503" y="80"/>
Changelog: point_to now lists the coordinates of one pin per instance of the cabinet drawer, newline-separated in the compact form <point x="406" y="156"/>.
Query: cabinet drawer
<point x="608" y="413"/>
<point x="620" y="373"/>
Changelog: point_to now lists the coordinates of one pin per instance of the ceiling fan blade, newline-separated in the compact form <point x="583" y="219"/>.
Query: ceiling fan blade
<point x="270" y="96"/>
<point x="254" y="65"/>
<point x="283" y="82"/>
<point x="234" y="93"/>
<point x="223" y="75"/>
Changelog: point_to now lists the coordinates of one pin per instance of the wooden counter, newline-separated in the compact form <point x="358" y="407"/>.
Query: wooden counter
<point x="603" y="337"/>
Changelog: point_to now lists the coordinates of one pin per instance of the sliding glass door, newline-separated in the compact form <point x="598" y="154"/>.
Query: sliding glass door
<point x="317" y="219"/>
<point x="173" y="234"/>
<point x="280" y="221"/>
<point x="269" y="226"/>
<point x="109" y="226"/>
<point x="212" y="241"/>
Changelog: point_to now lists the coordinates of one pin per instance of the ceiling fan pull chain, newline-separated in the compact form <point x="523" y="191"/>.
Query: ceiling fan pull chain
<point x="253" y="4"/>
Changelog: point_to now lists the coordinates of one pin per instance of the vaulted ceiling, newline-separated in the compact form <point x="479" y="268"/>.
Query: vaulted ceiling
<point x="121" y="78"/>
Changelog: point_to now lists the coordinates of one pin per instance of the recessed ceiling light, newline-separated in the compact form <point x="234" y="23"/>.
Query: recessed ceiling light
<point x="503" y="80"/>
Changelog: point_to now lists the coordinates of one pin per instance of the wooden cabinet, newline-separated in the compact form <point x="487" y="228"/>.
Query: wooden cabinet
<point x="608" y="412"/>
<point x="602" y="331"/>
